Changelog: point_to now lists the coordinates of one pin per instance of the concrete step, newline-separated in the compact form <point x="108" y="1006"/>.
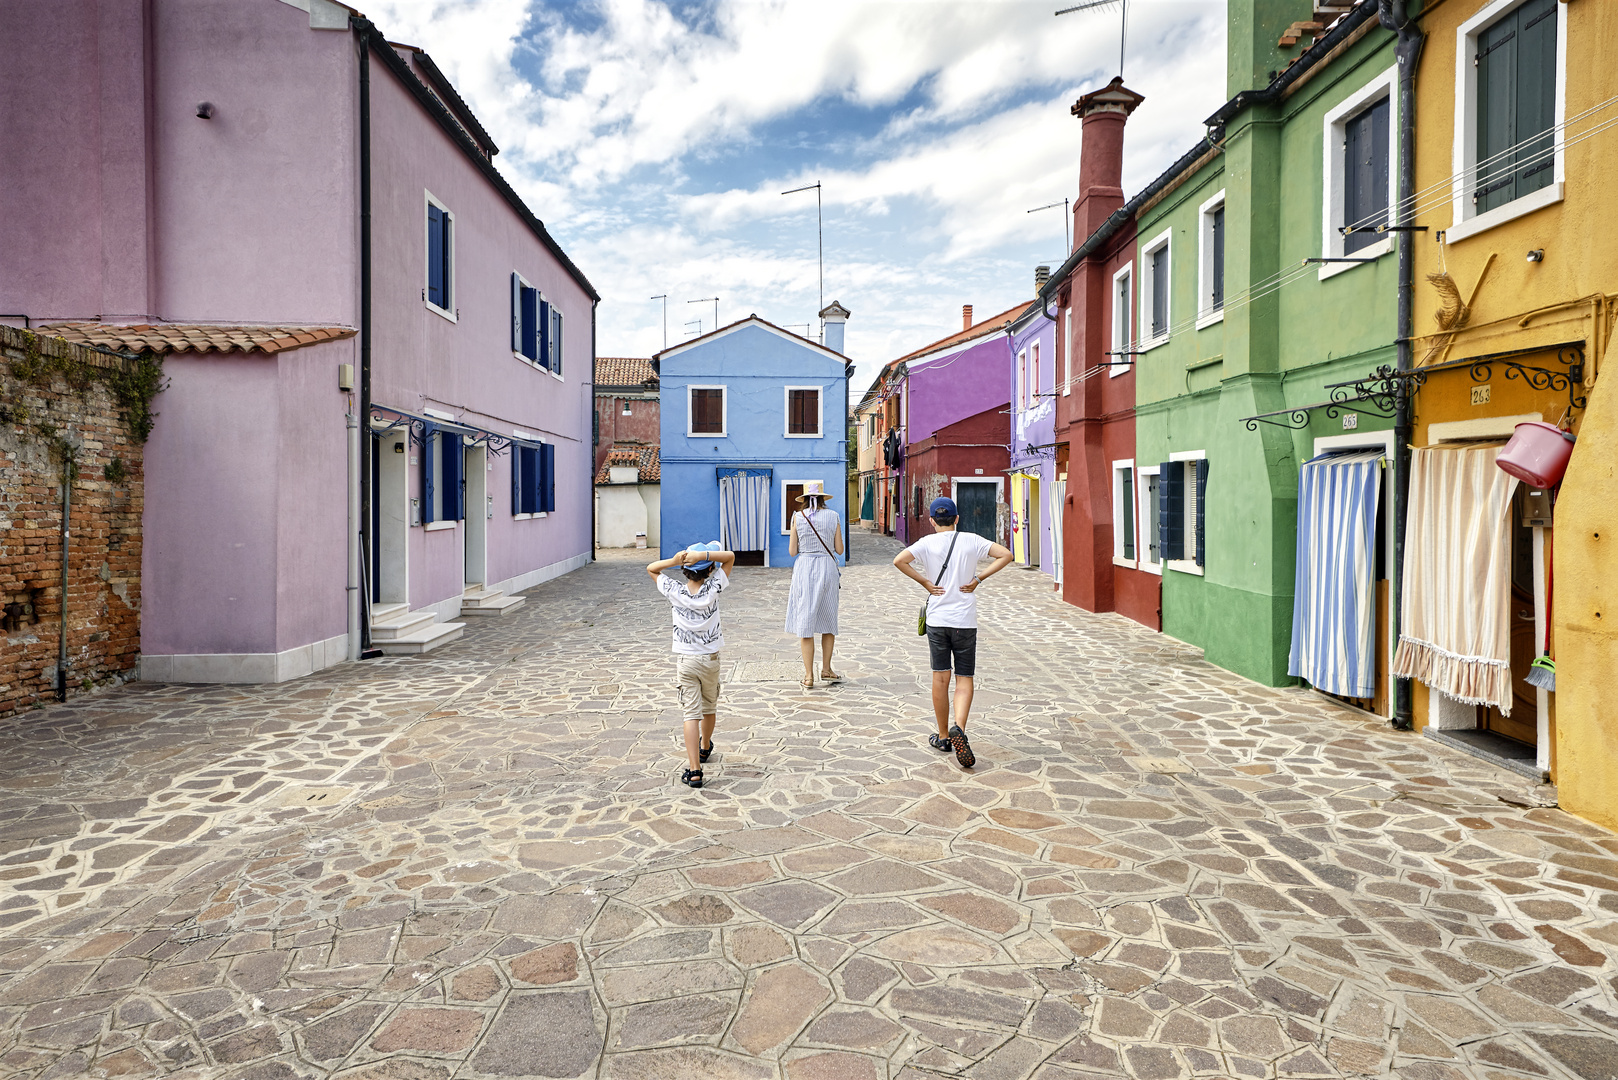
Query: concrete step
<point x="399" y="625"/>
<point x="420" y="641"/>
<point x="387" y="611"/>
<point x="491" y="602"/>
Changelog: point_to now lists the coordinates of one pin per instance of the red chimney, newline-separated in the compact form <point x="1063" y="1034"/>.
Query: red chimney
<point x="1101" y="155"/>
<point x="966" y="316"/>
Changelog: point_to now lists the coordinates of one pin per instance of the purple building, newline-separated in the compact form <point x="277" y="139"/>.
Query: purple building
<point x="380" y="362"/>
<point x="1036" y="493"/>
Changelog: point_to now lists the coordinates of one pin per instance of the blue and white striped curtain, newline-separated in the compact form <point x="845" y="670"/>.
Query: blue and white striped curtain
<point x="744" y="511"/>
<point x="1334" y="599"/>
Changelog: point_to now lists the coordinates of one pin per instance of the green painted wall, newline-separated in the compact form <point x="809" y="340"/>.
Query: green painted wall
<point x="1285" y="334"/>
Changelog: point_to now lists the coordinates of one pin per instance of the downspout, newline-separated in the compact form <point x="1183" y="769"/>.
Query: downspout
<point x="363" y="28"/>
<point x="848" y="511"/>
<point x="68" y="464"/>
<point x="590" y="458"/>
<point x="1393" y="16"/>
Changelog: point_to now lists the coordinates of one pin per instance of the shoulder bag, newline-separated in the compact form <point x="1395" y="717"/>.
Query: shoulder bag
<point x="921" y="619"/>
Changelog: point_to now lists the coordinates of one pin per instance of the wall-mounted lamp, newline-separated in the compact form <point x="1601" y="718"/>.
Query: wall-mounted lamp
<point x="1537" y="255"/>
<point x="205" y="110"/>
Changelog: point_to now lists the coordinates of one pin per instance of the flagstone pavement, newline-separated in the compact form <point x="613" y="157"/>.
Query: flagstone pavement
<point x="478" y="863"/>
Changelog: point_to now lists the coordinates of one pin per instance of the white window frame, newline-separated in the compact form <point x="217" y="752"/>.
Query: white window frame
<point x="1034" y="379"/>
<point x="1188" y="514"/>
<point x="426" y="262"/>
<point x="1119" y="468"/>
<point x="788" y="511"/>
<point x="1145" y="291"/>
<point x="1122" y="317"/>
<point x="1333" y="135"/>
<point x="1206" y="315"/>
<point x="1465" y="219"/>
<point x="1067" y="350"/>
<point x="786" y="411"/>
<point x="538" y="298"/>
<point x="724" y="412"/>
<point x="1145" y="563"/>
<point x="1022" y="379"/>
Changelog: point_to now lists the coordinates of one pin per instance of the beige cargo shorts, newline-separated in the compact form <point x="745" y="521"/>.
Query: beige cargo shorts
<point x="698" y="681"/>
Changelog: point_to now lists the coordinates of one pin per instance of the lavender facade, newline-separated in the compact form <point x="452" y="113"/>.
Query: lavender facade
<point x="420" y="434"/>
<point x="1036" y="494"/>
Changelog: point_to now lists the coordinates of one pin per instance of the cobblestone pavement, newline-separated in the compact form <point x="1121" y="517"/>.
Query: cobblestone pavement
<point x="478" y="863"/>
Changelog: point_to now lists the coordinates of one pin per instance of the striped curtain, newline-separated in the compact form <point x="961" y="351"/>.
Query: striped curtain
<point x="1334" y="599"/>
<point x="744" y="511"/>
<point x="1058" y="490"/>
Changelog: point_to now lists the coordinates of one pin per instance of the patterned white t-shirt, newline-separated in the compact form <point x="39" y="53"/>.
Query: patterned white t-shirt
<point x="696" y="617"/>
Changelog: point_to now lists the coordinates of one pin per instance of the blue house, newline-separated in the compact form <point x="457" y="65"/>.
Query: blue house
<point x="750" y="414"/>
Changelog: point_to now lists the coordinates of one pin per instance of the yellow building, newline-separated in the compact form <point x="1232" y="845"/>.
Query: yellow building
<point x="1515" y="282"/>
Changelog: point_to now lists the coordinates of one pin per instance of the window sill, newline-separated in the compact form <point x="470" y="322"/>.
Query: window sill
<point x="1151" y="568"/>
<point x="816" y="435"/>
<point x="1212" y="318"/>
<point x="1119" y="560"/>
<point x="1382" y="247"/>
<point x="1154" y="343"/>
<point x="440" y="312"/>
<point x="527" y="517"/>
<point x="437" y="526"/>
<point x="1516" y="208"/>
<point x="706" y="435"/>
<point x="1185" y="566"/>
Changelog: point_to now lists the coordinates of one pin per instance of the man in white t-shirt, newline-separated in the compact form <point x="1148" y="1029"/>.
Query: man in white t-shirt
<point x="698" y="638"/>
<point x="946" y="565"/>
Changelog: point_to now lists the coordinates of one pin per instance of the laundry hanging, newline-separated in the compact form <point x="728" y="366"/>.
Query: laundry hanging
<point x="1334" y="597"/>
<point x="1456" y="602"/>
<point x="744" y="509"/>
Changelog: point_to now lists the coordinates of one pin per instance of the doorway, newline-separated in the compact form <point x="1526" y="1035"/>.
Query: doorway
<point x="1030" y="521"/>
<point x="977" y="502"/>
<point x="1523" y="724"/>
<point x="479" y="508"/>
<point x="392" y="513"/>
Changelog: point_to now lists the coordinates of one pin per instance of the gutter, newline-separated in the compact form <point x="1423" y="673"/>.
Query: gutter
<point x="366" y="442"/>
<point x="1297" y="69"/>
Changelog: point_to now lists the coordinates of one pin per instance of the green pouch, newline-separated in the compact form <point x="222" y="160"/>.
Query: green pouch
<point x="921" y="622"/>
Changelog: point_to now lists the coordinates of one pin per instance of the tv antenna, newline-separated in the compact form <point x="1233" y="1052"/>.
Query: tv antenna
<point x="665" y="298"/>
<point x="1123" y="22"/>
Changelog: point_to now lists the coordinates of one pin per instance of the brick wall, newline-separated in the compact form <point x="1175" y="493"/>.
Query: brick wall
<point x="641" y="426"/>
<point x="51" y="391"/>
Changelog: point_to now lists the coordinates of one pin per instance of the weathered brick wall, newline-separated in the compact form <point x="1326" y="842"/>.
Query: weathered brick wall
<point x="53" y="394"/>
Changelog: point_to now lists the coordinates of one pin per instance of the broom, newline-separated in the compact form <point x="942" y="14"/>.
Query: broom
<point x="1542" y="672"/>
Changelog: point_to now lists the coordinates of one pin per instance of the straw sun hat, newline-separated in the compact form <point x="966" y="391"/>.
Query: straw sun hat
<point x="814" y="489"/>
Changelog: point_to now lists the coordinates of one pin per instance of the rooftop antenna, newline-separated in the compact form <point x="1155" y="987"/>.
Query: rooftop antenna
<point x="1123" y="22"/>
<point x="698" y="331"/>
<point x="820" y="237"/>
<point x="714" y="300"/>
<point x="665" y="298"/>
<point x="1067" y="244"/>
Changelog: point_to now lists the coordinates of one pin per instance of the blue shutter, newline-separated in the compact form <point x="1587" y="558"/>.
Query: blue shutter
<point x="530" y="480"/>
<point x="1171" y="510"/>
<point x="516" y="313"/>
<point x="530" y="319"/>
<point x="547" y="471"/>
<point x="435" y="255"/>
<point x="1219" y="259"/>
<point x="556" y="340"/>
<point x="454" y="479"/>
<point x="448" y="257"/>
<point x="427" y="449"/>
<point x="1160" y="291"/>
<point x="1202" y="515"/>
<point x="544" y="321"/>
<point x="516" y="479"/>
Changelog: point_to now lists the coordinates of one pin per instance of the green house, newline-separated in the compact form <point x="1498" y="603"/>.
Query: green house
<point x="1239" y="334"/>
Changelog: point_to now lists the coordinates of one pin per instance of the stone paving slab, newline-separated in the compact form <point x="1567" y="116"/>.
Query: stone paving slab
<point x="477" y="863"/>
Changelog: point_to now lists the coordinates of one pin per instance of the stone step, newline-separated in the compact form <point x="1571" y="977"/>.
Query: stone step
<point x="385" y="611"/>
<point x="399" y="625"/>
<point x="491" y="603"/>
<point x="420" y="641"/>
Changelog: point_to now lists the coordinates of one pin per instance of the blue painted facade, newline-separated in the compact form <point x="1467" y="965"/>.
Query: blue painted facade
<point x="756" y="364"/>
<point x="1035" y="386"/>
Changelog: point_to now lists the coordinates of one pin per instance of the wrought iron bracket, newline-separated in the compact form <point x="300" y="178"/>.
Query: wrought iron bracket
<point x="1570" y="379"/>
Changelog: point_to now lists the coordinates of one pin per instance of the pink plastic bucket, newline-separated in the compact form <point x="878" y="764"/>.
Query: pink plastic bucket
<point x="1537" y="454"/>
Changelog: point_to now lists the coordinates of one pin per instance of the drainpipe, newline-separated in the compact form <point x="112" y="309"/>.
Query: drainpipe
<point x="355" y="581"/>
<point x="1394" y="17"/>
<point x="363" y="28"/>
<point x="590" y="458"/>
<point x="61" y="644"/>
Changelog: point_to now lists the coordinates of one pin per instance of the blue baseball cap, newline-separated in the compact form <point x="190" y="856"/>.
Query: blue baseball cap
<point x="712" y="545"/>
<point x="943" y="507"/>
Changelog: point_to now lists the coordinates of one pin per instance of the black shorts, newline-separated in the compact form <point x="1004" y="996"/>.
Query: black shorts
<point x="956" y="641"/>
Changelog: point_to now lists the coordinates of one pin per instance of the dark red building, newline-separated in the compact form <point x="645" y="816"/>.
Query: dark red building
<point x="973" y="455"/>
<point x="626" y="404"/>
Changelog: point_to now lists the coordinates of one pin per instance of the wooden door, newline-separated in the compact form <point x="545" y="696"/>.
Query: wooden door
<point x="1523" y="723"/>
<point x="976" y="503"/>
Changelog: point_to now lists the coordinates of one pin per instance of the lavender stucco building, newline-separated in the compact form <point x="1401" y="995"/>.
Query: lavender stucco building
<point x="379" y="361"/>
<point x="1036" y="495"/>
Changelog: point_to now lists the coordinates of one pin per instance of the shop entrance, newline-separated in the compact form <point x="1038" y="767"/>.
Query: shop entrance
<point x="1523" y="723"/>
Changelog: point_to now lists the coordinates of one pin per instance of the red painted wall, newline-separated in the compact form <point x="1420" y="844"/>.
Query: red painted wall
<point x="962" y="448"/>
<point x="641" y="426"/>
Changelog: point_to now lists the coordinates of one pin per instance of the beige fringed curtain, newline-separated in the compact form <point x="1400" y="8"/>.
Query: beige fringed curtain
<point x="1456" y="624"/>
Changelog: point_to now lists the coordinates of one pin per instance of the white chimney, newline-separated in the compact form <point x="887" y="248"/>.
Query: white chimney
<point x="832" y="318"/>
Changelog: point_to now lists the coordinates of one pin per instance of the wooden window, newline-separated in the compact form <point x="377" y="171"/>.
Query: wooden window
<point x="1160" y="291"/>
<point x="1365" y="176"/>
<point x="1125" y="511"/>
<point x="524" y="318"/>
<point x="1154" y="543"/>
<point x="553" y="341"/>
<point x="1516" y="104"/>
<point x="803" y="412"/>
<point x="707" y="410"/>
<point x="1216" y="226"/>
<point x="440" y="256"/>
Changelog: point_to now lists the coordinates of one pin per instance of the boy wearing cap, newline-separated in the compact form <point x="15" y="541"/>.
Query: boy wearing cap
<point x="946" y="565"/>
<point x="697" y="641"/>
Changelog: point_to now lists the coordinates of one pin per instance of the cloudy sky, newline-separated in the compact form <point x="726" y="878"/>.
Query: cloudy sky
<point x="654" y="138"/>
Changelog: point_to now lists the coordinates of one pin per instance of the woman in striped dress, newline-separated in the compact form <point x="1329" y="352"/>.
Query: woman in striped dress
<point x="816" y="539"/>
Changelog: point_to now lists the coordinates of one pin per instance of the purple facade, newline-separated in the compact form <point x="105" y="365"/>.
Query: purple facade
<point x="1036" y="385"/>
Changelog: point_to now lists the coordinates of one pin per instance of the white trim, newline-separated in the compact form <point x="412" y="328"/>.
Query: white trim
<point x="439" y="414"/>
<point x="751" y="320"/>
<point x="1188" y="514"/>
<point x="1207" y="315"/>
<point x="1119" y="468"/>
<point x="1034" y="381"/>
<point x="1020" y="403"/>
<point x="1465" y="221"/>
<point x="1542" y="732"/>
<point x="514" y="585"/>
<point x="1146" y="565"/>
<point x="426" y="267"/>
<point x="724" y="411"/>
<point x="244" y="668"/>
<point x="820" y="411"/>
<point x="786" y="514"/>
<point x="1123" y="330"/>
<point x="997" y="481"/>
<point x="1145" y="293"/>
<point x="1334" y="132"/>
<point x="1067" y="351"/>
<point x="438" y="526"/>
<point x="1484" y="427"/>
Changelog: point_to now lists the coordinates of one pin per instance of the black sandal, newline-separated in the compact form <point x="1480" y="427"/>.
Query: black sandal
<point x="692" y="778"/>
<point x="963" y="749"/>
<point x="938" y="742"/>
<point x="702" y="755"/>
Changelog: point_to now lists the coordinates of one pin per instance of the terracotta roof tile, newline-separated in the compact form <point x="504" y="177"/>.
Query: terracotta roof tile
<point x="624" y="371"/>
<point x="644" y="456"/>
<point x="993" y="324"/>
<point x="187" y="337"/>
